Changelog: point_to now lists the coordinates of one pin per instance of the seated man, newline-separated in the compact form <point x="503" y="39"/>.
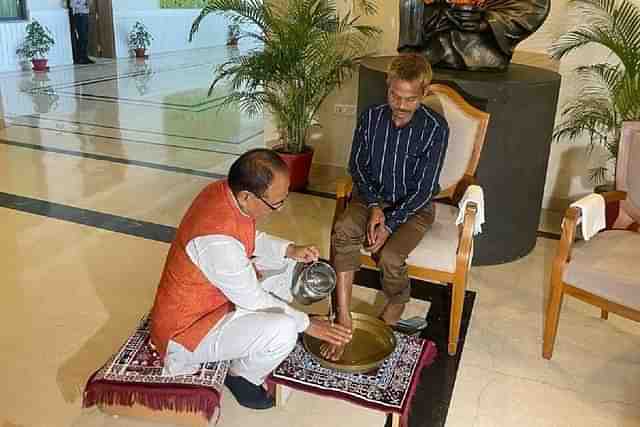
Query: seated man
<point x="397" y="154"/>
<point x="210" y="304"/>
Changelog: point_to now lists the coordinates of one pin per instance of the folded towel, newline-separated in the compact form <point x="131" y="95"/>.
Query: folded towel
<point x="593" y="214"/>
<point x="474" y="194"/>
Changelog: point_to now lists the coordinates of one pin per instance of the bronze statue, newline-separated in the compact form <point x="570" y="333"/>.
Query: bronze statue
<point x="468" y="34"/>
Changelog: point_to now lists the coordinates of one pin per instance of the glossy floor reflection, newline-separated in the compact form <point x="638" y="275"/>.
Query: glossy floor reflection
<point x="87" y="214"/>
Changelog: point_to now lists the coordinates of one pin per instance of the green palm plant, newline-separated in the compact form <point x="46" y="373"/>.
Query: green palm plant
<point x="609" y="92"/>
<point x="304" y="51"/>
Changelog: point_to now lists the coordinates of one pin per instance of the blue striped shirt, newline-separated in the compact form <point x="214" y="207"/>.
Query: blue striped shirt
<point x="398" y="166"/>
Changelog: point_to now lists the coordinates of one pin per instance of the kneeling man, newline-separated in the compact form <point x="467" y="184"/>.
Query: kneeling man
<point x="211" y="303"/>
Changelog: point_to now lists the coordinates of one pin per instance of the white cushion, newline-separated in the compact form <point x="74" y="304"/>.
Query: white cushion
<point x="607" y="266"/>
<point x="438" y="248"/>
<point x="462" y="135"/>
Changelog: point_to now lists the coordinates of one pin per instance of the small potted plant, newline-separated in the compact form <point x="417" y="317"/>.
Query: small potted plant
<point x="37" y="43"/>
<point x="233" y="34"/>
<point x="139" y="39"/>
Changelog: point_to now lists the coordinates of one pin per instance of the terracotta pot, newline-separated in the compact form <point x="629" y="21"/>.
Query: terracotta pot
<point x="140" y="52"/>
<point x="39" y="64"/>
<point x="299" y="167"/>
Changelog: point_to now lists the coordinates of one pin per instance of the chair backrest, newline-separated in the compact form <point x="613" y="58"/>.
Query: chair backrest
<point x="628" y="168"/>
<point x="467" y="131"/>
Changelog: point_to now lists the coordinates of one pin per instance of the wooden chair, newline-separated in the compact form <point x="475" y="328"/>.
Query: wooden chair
<point x="603" y="271"/>
<point x="444" y="254"/>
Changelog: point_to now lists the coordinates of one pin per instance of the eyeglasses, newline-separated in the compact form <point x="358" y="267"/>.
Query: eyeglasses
<point x="274" y="206"/>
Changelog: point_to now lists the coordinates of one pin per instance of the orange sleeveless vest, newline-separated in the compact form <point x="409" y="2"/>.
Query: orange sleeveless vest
<point x="187" y="304"/>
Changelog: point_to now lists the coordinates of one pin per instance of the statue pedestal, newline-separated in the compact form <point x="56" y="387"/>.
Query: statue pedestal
<point x="513" y="165"/>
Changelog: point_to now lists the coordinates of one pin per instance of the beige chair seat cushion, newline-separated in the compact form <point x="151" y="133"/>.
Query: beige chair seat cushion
<point x="608" y="266"/>
<point x="439" y="246"/>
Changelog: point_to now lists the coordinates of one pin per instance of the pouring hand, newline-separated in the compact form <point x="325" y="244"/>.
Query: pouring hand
<point x="301" y="253"/>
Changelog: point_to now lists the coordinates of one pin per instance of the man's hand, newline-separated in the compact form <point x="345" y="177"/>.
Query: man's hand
<point x="335" y="334"/>
<point x="381" y="234"/>
<point x="303" y="253"/>
<point x="376" y="218"/>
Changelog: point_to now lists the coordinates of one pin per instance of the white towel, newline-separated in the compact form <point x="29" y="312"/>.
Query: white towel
<point x="474" y="194"/>
<point x="593" y="214"/>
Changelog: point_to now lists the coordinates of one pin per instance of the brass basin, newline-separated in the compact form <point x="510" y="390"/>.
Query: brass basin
<point x="373" y="341"/>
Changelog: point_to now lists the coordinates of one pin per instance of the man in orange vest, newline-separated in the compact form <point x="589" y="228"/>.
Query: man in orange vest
<point x="211" y="304"/>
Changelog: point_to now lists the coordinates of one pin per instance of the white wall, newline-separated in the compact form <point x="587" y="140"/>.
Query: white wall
<point x="44" y="4"/>
<point x="121" y="5"/>
<point x="170" y="29"/>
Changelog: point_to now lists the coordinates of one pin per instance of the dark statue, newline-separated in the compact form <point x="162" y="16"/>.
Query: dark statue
<point x="468" y="34"/>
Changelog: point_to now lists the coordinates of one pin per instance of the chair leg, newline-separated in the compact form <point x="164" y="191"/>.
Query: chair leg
<point x="553" y="316"/>
<point x="604" y="314"/>
<point x="457" y="304"/>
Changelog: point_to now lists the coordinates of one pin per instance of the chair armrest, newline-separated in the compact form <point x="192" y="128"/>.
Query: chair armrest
<point x="344" y="186"/>
<point x="461" y="188"/>
<point x="614" y="196"/>
<point x="569" y="226"/>
<point x="463" y="257"/>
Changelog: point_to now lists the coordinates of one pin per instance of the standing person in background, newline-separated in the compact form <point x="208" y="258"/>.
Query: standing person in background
<point x="80" y="29"/>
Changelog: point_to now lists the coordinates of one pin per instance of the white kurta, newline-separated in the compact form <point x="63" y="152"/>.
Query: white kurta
<point x="263" y="329"/>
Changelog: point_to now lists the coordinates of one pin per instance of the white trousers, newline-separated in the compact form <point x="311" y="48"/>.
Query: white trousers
<point x="255" y="342"/>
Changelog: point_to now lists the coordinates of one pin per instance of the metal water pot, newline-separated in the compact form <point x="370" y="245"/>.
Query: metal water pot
<point x="312" y="282"/>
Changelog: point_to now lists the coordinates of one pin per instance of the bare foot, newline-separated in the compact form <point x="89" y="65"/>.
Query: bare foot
<point x="334" y="352"/>
<point x="392" y="313"/>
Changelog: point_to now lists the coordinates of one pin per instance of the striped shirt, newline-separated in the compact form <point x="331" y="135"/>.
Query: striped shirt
<point x="398" y="166"/>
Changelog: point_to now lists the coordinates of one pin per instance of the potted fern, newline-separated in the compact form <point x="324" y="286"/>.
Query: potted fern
<point x="139" y="39"/>
<point x="37" y="43"/>
<point x="609" y="92"/>
<point x="305" y="51"/>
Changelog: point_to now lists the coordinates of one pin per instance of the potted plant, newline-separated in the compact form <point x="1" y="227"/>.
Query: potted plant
<point x="610" y="91"/>
<point x="37" y="43"/>
<point x="305" y="51"/>
<point x="139" y="39"/>
<point x="233" y="34"/>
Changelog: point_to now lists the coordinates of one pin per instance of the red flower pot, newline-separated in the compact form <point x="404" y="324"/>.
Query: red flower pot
<point x="299" y="166"/>
<point x="39" y="64"/>
<point x="140" y="52"/>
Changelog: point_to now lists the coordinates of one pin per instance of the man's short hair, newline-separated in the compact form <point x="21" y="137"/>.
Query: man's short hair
<point x="254" y="170"/>
<point x="410" y="67"/>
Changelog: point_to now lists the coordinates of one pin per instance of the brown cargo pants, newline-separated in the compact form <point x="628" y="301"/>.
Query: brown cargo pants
<point x="349" y="235"/>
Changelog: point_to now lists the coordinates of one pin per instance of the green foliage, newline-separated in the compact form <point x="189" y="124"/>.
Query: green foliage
<point x="37" y="42"/>
<point x="182" y="4"/>
<point x="608" y="94"/>
<point x="139" y="36"/>
<point x="305" y="52"/>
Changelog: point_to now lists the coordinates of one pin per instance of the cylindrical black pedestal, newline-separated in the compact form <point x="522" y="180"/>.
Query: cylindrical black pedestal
<point x="513" y="165"/>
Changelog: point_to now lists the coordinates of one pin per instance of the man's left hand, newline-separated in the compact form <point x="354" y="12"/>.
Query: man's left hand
<point x="381" y="234"/>
<point x="303" y="253"/>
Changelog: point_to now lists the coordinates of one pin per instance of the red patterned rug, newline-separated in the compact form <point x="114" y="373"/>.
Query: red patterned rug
<point x="134" y="376"/>
<point x="389" y="389"/>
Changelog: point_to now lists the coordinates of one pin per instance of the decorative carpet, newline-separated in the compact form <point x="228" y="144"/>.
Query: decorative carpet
<point x="134" y="376"/>
<point x="388" y="389"/>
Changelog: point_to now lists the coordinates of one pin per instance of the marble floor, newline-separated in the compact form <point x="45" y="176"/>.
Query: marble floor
<point x="92" y="155"/>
